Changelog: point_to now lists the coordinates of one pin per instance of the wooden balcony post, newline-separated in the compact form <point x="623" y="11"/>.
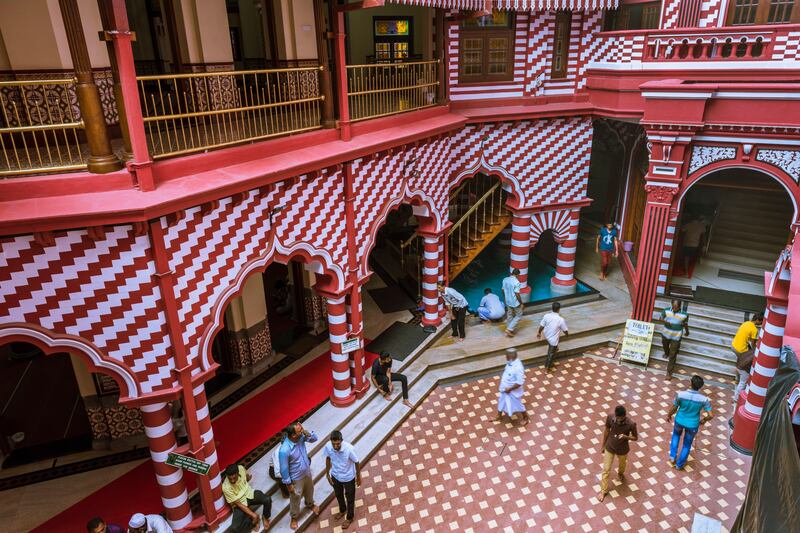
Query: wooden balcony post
<point x="101" y="157"/>
<point x="340" y="57"/>
<point x="325" y="83"/>
<point x="441" y="89"/>
<point x="107" y="22"/>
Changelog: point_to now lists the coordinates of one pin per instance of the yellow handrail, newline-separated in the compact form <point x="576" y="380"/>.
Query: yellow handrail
<point x="474" y="207"/>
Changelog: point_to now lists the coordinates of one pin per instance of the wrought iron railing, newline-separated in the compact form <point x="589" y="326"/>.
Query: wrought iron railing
<point x="40" y="127"/>
<point x="187" y="113"/>
<point x="385" y="89"/>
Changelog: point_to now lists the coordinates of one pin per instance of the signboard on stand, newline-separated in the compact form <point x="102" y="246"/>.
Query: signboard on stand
<point x="636" y="341"/>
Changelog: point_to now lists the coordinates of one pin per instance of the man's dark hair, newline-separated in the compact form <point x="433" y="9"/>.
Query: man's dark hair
<point x="697" y="382"/>
<point x="336" y="435"/>
<point x="487" y="290"/>
<point x="93" y="523"/>
<point x="619" y="410"/>
<point x="556" y="307"/>
<point x="385" y="355"/>
<point x="676" y="301"/>
<point x="231" y="470"/>
<point x="758" y="317"/>
<point x="515" y="272"/>
<point x="291" y="429"/>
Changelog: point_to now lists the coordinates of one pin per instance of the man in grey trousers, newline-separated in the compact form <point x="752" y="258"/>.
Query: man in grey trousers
<point x="511" y="288"/>
<point x="296" y="470"/>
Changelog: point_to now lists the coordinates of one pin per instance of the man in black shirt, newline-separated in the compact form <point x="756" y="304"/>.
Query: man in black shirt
<point x="382" y="377"/>
<point x="619" y="432"/>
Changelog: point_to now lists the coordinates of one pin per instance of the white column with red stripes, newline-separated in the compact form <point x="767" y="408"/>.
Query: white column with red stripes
<point x="342" y="394"/>
<point x="520" y="245"/>
<point x="564" y="280"/>
<point x="432" y="264"/>
<point x="161" y="439"/>
<point x="666" y="256"/>
<point x="209" y="446"/>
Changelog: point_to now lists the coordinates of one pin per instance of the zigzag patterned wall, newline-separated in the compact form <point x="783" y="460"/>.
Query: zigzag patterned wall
<point x="99" y="287"/>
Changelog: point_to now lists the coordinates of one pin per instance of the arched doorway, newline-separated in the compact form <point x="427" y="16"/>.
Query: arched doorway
<point x="42" y="414"/>
<point x="733" y="224"/>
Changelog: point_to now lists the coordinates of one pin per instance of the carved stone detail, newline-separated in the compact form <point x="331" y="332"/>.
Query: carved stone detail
<point x="660" y="194"/>
<point x="786" y="160"/>
<point x="705" y="155"/>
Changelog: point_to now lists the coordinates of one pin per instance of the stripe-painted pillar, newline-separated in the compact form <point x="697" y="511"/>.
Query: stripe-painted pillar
<point x="432" y="265"/>
<point x="342" y="394"/>
<point x="161" y="439"/>
<point x="209" y="446"/>
<point x="444" y="276"/>
<point x="520" y="245"/>
<point x="666" y="255"/>
<point x="651" y="247"/>
<point x="564" y="280"/>
<point x="355" y="327"/>
<point x="765" y="364"/>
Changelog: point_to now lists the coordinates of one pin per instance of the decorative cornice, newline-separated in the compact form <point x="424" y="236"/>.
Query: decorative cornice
<point x="786" y="160"/>
<point x="705" y="155"/>
<point x="660" y="194"/>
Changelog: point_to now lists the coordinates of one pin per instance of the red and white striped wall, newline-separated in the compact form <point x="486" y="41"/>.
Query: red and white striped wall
<point x="666" y="255"/>
<point x="337" y="330"/>
<point x="209" y="446"/>
<point x="564" y="279"/>
<point x="161" y="439"/>
<point x="520" y="245"/>
<point x="432" y="263"/>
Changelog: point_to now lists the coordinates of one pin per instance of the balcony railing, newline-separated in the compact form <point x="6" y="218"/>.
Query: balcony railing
<point x="40" y="127"/>
<point x="720" y="46"/>
<point x="385" y="89"/>
<point x="187" y="113"/>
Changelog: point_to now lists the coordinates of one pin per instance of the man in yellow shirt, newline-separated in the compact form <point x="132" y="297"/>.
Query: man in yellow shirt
<point x="743" y="346"/>
<point x="244" y="500"/>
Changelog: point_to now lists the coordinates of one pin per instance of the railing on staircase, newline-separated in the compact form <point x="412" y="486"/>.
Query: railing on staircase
<point x="473" y="230"/>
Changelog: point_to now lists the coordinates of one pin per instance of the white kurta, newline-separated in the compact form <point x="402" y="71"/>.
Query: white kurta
<point x="511" y="402"/>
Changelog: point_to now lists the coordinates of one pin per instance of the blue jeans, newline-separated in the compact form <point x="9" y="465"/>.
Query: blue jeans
<point x="688" y="437"/>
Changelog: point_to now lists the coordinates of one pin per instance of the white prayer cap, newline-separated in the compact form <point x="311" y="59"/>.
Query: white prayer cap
<point x="137" y="520"/>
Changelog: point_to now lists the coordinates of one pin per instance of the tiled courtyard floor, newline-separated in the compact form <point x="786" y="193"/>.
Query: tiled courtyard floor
<point x="449" y="467"/>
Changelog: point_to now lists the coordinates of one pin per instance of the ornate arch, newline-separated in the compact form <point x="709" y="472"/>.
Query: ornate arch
<point x="95" y="360"/>
<point x="558" y="221"/>
<point x="481" y="166"/>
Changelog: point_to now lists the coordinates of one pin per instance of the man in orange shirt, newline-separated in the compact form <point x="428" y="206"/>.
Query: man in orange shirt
<point x="743" y="346"/>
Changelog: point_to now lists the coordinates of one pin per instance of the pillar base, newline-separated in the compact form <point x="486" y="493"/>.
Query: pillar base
<point x="343" y="402"/>
<point x="563" y="287"/>
<point x="745" y="425"/>
<point x="363" y="390"/>
<point x="103" y="164"/>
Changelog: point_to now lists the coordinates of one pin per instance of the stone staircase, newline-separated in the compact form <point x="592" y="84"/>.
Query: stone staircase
<point x="749" y="244"/>
<point x="707" y="348"/>
<point x="372" y="420"/>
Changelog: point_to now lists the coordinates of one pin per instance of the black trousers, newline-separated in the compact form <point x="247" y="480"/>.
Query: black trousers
<point x="459" y="322"/>
<point x="551" y="353"/>
<point x="277" y="480"/>
<point x="383" y="383"/>
<point x="346" y="496"/>
<point x="240" y="522"/>
<point x="671" y="349"/>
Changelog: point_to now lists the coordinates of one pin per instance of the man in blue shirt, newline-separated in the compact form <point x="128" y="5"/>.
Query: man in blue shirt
<point x="606" y="244"/>
<point x="296" y="470"/>
<point x="344" y="475"/>
<point x="689" y="405"/>
<point x="490" y="308"/>
<point x="511" y="288"/>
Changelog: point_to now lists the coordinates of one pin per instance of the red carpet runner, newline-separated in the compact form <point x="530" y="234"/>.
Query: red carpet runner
<point x="237" y="432"/>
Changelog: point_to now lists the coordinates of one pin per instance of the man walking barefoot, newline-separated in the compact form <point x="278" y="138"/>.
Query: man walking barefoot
<point x="511" y="288"/>
<point x="552" y="326"/>
<point x="510" y="400"/>
<point x="619" y="432"/>
<point x="689" y="405"/>
<point x="296" y="470"/>
<point x="344" y="475"/>
<point x="606" y="245"/>
<point x="458" y="307"/>
<point x="676" y="325"/>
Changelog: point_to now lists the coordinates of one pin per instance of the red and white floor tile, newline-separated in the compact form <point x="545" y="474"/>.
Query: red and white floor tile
<point x="449" y="467"/>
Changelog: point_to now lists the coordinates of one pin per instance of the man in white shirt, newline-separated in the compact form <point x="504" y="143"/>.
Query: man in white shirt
<point x="490" y="308"/>
<point x="511" y="288"/>
<point x="344" y="475"/>
<point x="458" y="306"/>
<point x="510" y="400"/>
<point x="552" y="326"/>
<point x="151" y="523"/>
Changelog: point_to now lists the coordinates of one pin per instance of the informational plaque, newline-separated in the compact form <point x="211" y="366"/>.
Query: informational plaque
<point x="351" y="345"/>
<point x="190" y="464"/>
<point x="636" y="341"/>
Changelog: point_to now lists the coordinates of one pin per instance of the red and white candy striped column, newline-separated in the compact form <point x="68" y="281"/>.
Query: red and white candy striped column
<point x="564" y="280"/>
<point x="432" y="261"/>
<point x="342" y="394"/>
<point x="209" y="447"/>
<point x="520" y="245"/>
<point x="161" y="439"/>
<point x="765" y="364"/>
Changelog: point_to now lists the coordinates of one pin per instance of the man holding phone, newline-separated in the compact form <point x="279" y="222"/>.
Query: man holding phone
<point x="619" y="432"/>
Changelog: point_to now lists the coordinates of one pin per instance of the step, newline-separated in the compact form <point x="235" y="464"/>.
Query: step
<point x="780" y="225"/>
<point x="725" y="315"/>
<point x="778" y="239"/>
<point x="696" y="364"/>
<point x="739" y="251"/>
<point x="752" y="244"/>
<point x="758" y="265"/>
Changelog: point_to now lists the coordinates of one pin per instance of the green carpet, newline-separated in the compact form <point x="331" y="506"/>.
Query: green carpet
<point x="735" y="300"/>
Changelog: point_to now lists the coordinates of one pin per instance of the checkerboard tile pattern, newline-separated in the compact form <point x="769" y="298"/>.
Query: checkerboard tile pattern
<point x="449" y="467"/>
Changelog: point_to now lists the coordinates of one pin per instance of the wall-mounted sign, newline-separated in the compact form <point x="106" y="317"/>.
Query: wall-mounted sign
<point x="351" y="345"/>
<point x="195" y="466"/>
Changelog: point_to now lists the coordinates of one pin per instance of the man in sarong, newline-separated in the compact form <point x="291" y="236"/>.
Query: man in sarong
<point x="510" y="401"/>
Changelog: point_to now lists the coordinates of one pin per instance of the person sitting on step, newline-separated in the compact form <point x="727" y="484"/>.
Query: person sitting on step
<point x="382" y="377"/>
